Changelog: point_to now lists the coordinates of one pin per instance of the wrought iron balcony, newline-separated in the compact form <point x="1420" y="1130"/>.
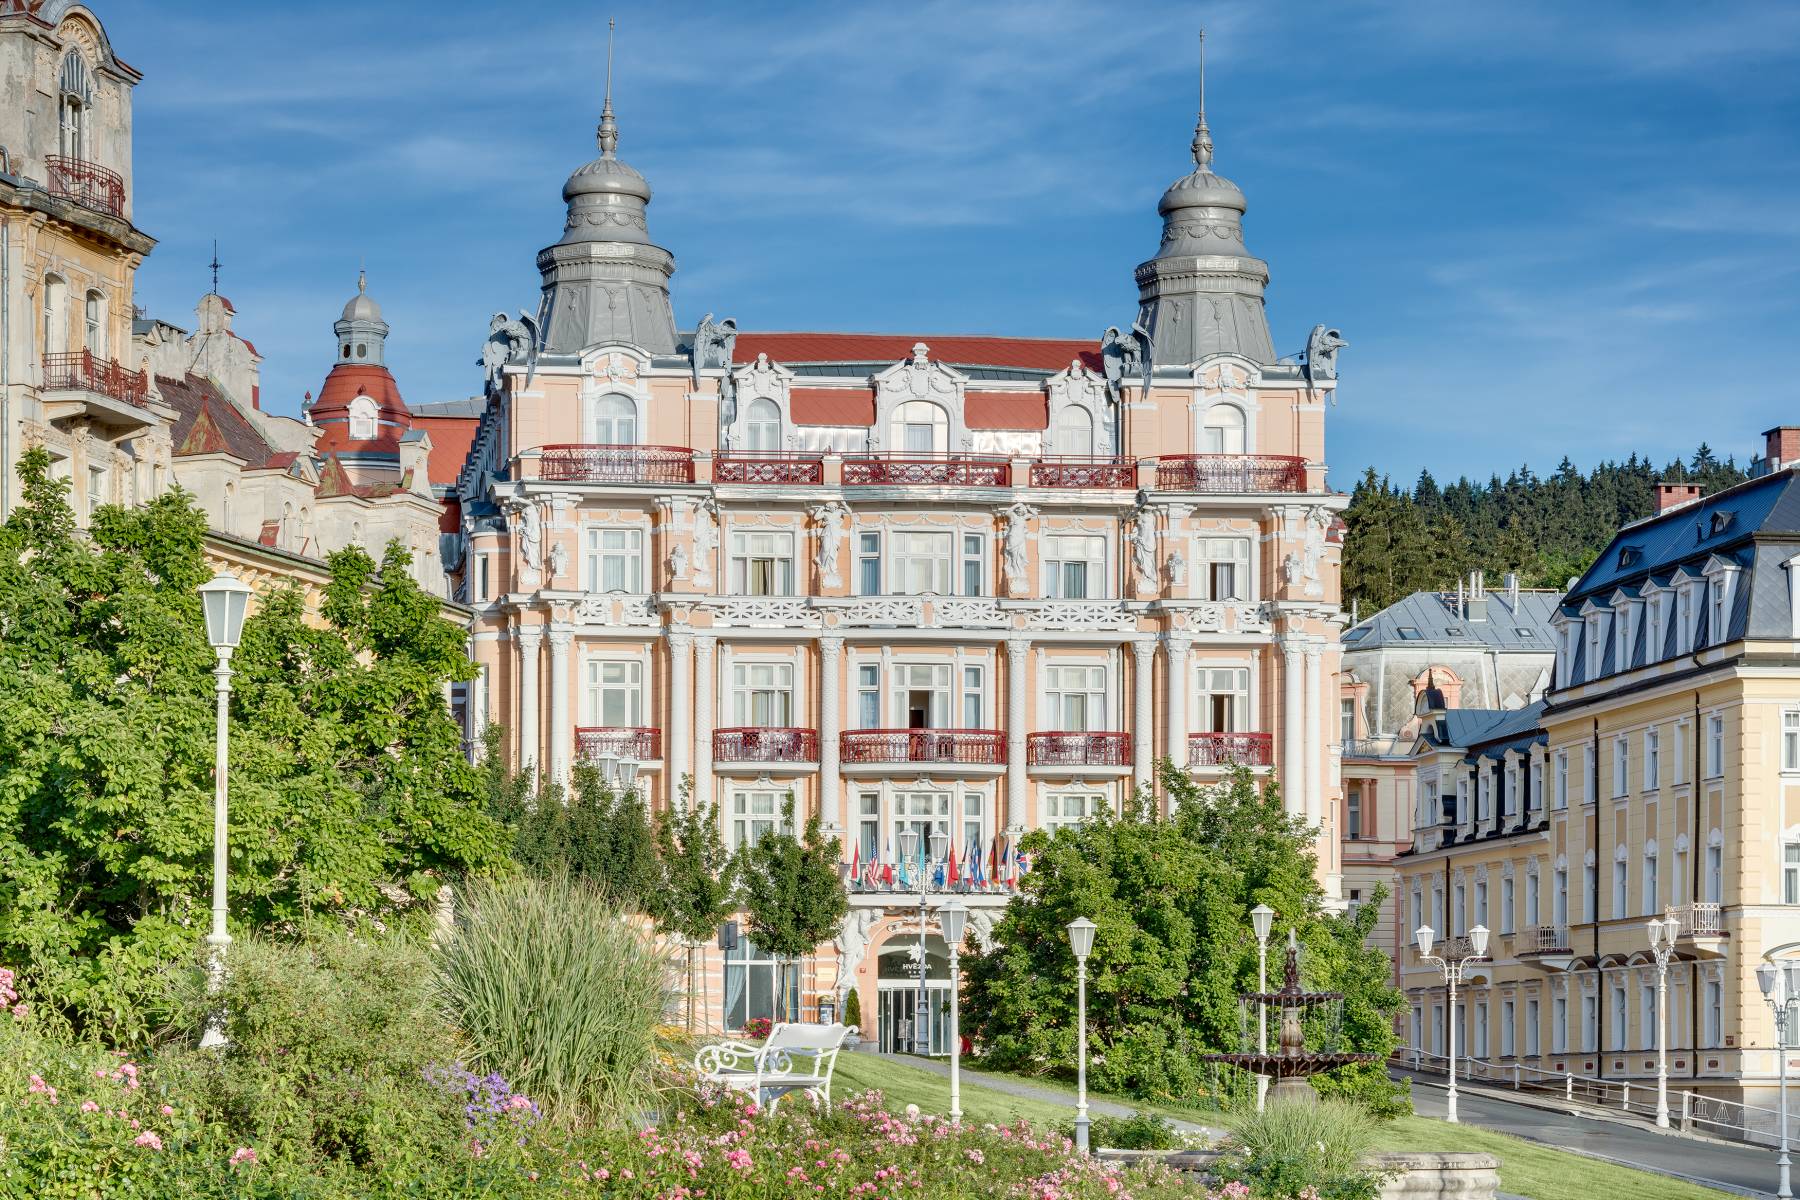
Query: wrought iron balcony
<point x="1219" y="749"/>
<point x="944" y="470"/>
<point x="768" y="467"/>
<point x="88" y="184"/>
<point x="1230" y="473"/>
<point x="597" y="741"/>
<point x="82" y="371"/>
<point x="1075" y="471"/>
<point x="1701" y="920"/>
<point x="616" y="464"/>
<point x="762" y="744"/>
<point x="968" y="747"/>
<point x="1078" y="749"/>
<point x="1545" y="939"/>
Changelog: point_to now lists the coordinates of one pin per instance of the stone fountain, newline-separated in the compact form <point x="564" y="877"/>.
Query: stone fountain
<point x="1306" y="1034"/>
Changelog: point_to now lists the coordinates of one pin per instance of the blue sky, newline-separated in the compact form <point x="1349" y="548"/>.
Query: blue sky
<point x="1545" y="228"/>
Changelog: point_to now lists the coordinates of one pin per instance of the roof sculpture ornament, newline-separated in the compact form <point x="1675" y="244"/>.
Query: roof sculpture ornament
<point x="1125" y="356"/>
<point x="714" y="344"/>
<point x="509" y="341"/>
<point x="1322" y="346"/>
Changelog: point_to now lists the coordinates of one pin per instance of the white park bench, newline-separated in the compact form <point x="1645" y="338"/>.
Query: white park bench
<point x="795" y="1058"/>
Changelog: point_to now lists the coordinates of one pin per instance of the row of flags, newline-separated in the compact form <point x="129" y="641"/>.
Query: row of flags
<point x="1000" y="868"/>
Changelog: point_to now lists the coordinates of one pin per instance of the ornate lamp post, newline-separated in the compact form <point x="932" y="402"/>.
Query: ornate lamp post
<point x="1662" y="945"/>
<point x="1780" y="983"/>
<point x="953" y="919"/>
<point x="1081" y="941"/>
<point x="940" y="849"/>
<point x="618" y="772"/>
<point x="1453" y="966"/>
<point x="224" y="598"/>
<point x="1262" y="920"/>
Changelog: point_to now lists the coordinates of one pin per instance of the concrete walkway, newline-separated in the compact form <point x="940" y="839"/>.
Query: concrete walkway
<point x="1746" y="1170"/>
<point x="1031" y="1091"/>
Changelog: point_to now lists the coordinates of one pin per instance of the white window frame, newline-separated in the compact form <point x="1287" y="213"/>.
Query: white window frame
<point x="1532" y="1033"/>
<point x="1086" y="802"/>
<point x="365" y="419"/>
<point x="751" y="547"/>
<point x="629" y="555"/>
<point x="777" y="678"/>
<point x="1058" y="563"/>
<point x="1225" y="570"/>
<point x="1093" y="686"/>
<point x="752" y="813"/>
<point x="629" y="685"/>
<point x="615" y="419"/>
<point x="1621" y="766"/>
<point x="1651" y="879"/>
<point x="1790" y="739"/>
<point x="1715" y="745"/>
<point x="1242" y="712"/>
<point x="1507" y="898"/>
<point x="1652" y="759"/>
<point x="905" y="559"/>
<point x="1562" y="780"/>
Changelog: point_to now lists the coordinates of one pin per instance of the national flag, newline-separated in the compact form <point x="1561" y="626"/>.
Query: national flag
<point x="950" y="869"/>
<point x="856" y="864"/>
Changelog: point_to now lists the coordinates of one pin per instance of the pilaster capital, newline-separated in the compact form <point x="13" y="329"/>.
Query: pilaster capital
<point x="1144" y="650"/>
<point x="705" y="642"/>
<point x="561" y="639"/>
<point x="530" y="636"/>
<point x="831" y="644"/>
<point x="1017" y="647"/>
<point x="680" y="638"/>
<point x="1178" y="644"/>
<point x="1312" y="650"/>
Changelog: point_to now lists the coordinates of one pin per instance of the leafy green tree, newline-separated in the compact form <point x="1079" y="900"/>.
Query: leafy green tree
<point x="699" y="880"/>
<point x="793" y="895"/>
<point x="349" y="789"/>
<point x="590" y="833"/>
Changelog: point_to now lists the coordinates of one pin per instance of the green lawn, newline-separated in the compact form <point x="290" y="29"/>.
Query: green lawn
<point x="1526" y="1168"/>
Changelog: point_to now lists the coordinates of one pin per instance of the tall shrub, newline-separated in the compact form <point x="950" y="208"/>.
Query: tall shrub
<point x="699" y="881"/>
<point x="559" y="990"/>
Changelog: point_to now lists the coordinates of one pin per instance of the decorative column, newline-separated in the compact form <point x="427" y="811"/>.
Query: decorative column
<point x="1018" y="649"/>
<point x="1178" y="685"/>
<point x="531" y="640"/>
<point x="678" y="748"/>
<point x="1143" y="731"/>
<point x="704" y="673"/>
<point x="562" y="728"/>
<point x="831" y="655"/>
<point x="1293" y="763"/>
<point x="1315" y="737"/>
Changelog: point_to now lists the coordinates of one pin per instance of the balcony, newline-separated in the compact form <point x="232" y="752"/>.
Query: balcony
<point x="1701" y="927"/>
<point x="1230" y="474"/>
<point x="1071" y="471"/>
<point x="616" y="464"/>
<point x="1078" y="749"/>
<point x="1545" y="946"/>
<point x="1227" y="749"/>
<point x="952" y="747"/>
<point x="103" y="390"/>
<point x="87" y="184"/>
<point x="927" y="470"/>
<point x="598" y="741"/>
<point x="769" y="468"/>
<point x="765" y="745"/>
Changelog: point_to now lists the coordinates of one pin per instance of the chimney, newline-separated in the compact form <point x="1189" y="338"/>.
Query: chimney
<point x="1477" y="596"/>
<point x="1781" y="446"/>
<point x="1674" y="495"/>
<point x="1512" y="590"/>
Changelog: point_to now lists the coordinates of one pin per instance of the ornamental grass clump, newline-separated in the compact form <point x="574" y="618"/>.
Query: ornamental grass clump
<point x="1293" y="1146"/>
<point x="561" y="993"/>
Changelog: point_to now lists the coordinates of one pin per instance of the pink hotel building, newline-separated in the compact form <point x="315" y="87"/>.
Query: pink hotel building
<point x="969" y="584"/>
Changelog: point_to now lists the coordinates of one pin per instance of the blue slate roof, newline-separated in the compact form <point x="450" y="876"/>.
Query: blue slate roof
<point x="1430" y="619"/>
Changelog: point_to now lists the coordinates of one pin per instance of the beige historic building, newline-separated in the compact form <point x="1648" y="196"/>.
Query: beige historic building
<point x="1661" y="775"/>
<point x="972" y="585"/>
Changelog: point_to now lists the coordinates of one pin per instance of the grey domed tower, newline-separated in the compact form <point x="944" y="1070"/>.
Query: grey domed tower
<point x="1203" y="292"/>
<point x="606" y="281"/>
<point x="361" y="333"/>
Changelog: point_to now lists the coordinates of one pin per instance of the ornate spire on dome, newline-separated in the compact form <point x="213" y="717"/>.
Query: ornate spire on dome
<point x="1203" y="143"/>
<point x="361" y="333"/>
<point x="607" y="135"/>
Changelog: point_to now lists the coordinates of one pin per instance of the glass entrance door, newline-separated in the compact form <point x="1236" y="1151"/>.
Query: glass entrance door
<point x="902" y="1032"/>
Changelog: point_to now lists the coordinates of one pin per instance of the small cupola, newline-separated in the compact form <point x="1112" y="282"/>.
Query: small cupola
<point x="361" y="333"/>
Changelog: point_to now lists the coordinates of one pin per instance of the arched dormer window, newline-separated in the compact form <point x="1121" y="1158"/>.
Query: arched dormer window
<point x="1074" y="431"/>
<point x="1222" y="430"/>
<point x="56" y="315"/>
<point x="363" y="415"/>
<point x="921" y="427"/>
<point x="615" y="421"/>
<point x="93" y="326"/>
<point x="762" y="426"/>
<point x="74" y="106"/>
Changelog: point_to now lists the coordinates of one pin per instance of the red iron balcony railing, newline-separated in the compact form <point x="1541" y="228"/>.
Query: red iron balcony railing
<point x="768" y="468"/>
<point x="88" y="184"/>
<point x="82" y="371"/>
<point x="1217" y="749"/>
<point x="597" y="741"/>
<point x="617" y="464"/>
<point x="977" y="747"/>
<point x="1230" y="473"/>
<point x="873" y="470"/>
<point x="1070" y="471"/>
<point x="757" y="744"/>
<point x="1084" y="749"/>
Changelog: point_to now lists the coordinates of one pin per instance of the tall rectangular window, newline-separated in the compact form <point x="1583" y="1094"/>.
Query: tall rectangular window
<point x="1621" y="1016"/>
<point x="973" y="700"/>
<point x="1647" y="1032"/>
<point x="762" y="563"/>
<point x="974" y="565"/>
<point x="868" y="564"/>
<point x="868" y="827"/>
<point x="1480" y="1046"/>
<point x="1506" y="904"/>
<point x="484" y="585"/>
<point x="1590" y="1022"/>
<point x="1481" y="902"/>
<point x="614" y="560"/>
<point x="1531" y="1028"/>
<point x="1562" y="779"/>
<point x="1076" y="696"/>
<point x="1559" y="1024"/>
<point x="1508" y="1022"/>
<point x="1224" y="700"/>
<point x="921" y="562"/>
<point x="1790" y="873"/>
<point x="1062" y="809"/>
<point x="1353" y="812"/>
<point x="1715" y="873"/>
<point x="1652" y="885"/>
<point x="1619" y="889"/>
<point x="1713" y="1012"/>
<point x="1652" y="760"/>
<point x="1346" y="720"/>
<point x="1074" y="567"/>
<point x="1681" y="752"/>
<point x="1715" y="746"/>
<point x="763" y="694"/>
<point x="1790" y="739"/>
<point x="1621" y="771"/>
<point x="868" y="696"/>
<point x="1224" y="569"/>
<point x="615" y="695"/>
<point x="754" y="814"/>
<point x="974" y="829"/>
<point x="1532" y="916"/>
<point x="1461" y="896"/>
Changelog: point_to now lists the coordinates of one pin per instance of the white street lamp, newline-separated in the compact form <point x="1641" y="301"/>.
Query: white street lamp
<point x="939" y="845"/>
<point x="224" y="599"/>
<point x="1453" y="963"/>
<point x="953" y="919"/>
<point x="1780" y="983"/>
<point x="1262" y="920"/>
<point x="1662" y="946"/>
<point x="1081" y="941"/>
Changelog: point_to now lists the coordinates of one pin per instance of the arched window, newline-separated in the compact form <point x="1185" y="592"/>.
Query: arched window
<point x="362" y="419"/>
<point x="1222" y="432"/>
<point x="615" y="421"/>
<point x="226" y="507"/>
<point x="94" y="325"/>
<point x="1074" y="431"/>
<point x="284" y="534"/>
<point x="303" y="535"/>
<point x="73" y="106"/>
<point x="362" y="350"/>
<point x="921" y="427"/>
<point x="56" y="315"/>
<point x="762" y="426"/>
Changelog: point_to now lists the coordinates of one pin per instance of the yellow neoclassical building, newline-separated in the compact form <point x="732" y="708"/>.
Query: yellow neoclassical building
<point x="1659" y="776"/>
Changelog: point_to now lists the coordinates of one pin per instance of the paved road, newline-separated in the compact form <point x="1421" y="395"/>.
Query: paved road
<point x="1741" y="1168"/>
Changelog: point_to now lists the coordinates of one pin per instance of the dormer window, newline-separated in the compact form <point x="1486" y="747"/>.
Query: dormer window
<point x="1721" y="521"/>
<point x="615" y="421"/>
<point x="74" y="105"/>
<point x="1630" y="556"/>
<point x="363" y="414"/>
<point x="762" y="426"/>
<point x="921" y="427"/>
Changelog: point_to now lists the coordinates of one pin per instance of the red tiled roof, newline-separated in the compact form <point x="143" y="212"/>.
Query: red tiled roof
<point x="1006" y="410"/>
<point x="832" y="406"/>
<point x="248" y="344"/>
<point x="1039" y="354"/>
<point x="207" y="423"/>
<point x="347" y="381"/>
<point x="451" y="438"/>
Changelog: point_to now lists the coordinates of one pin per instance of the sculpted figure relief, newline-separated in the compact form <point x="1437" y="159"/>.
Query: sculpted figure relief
<point x="559" y="561"/>
<point x="706" y="540"/>
<point x="509" y="340"/>
<point x="831" y="531"/>
<point x="1016" y="553"/>
<point x="1143" y="548"/>
<point x="1322" y="346"/>
<point x="1125" y="356"/>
